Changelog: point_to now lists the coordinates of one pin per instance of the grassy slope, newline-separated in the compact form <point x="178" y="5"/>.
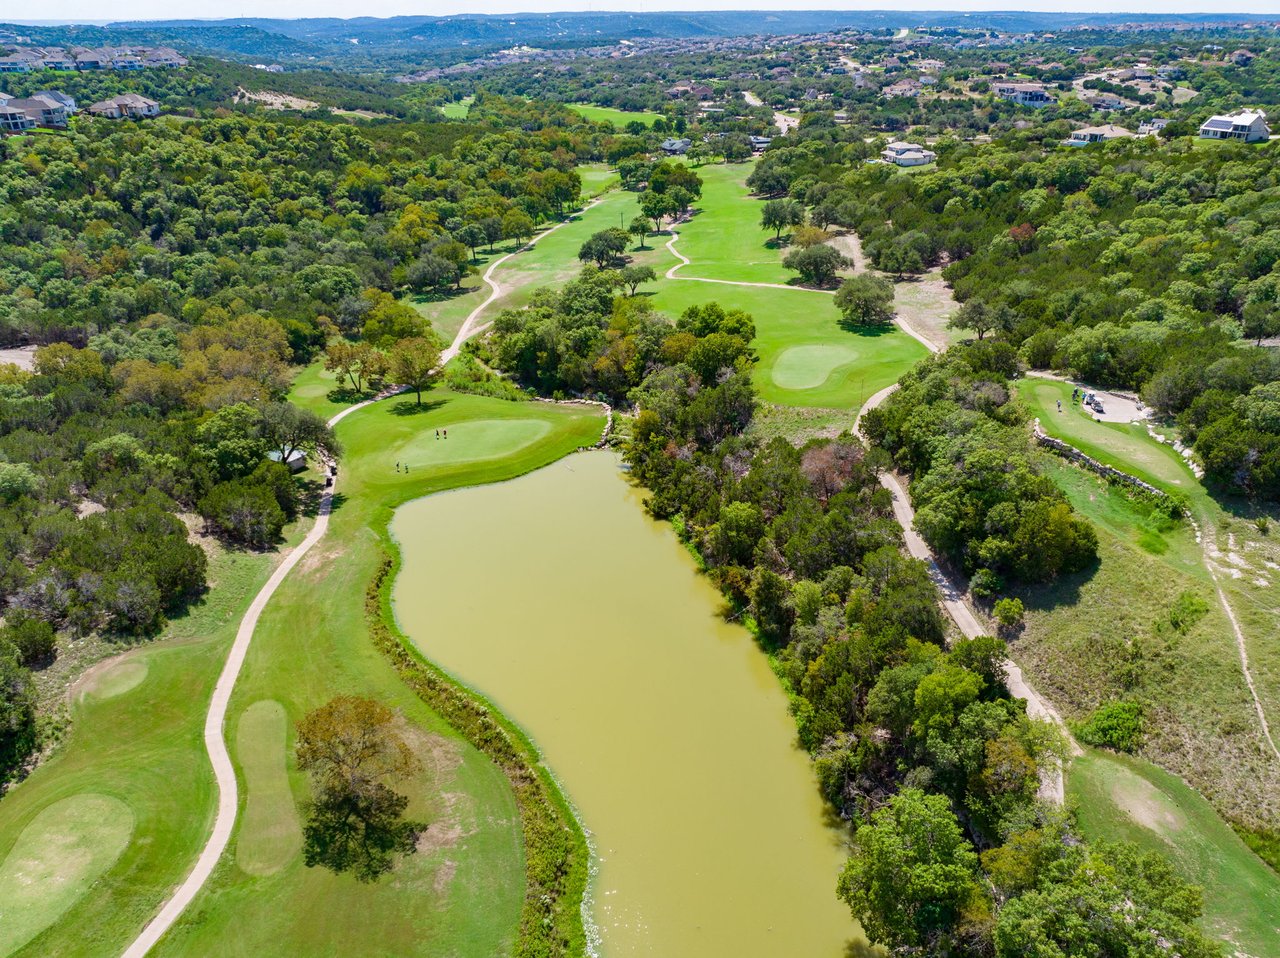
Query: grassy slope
<point x="461" y="895"/>
<point x="143" y="747"/>
<point x="1123" y="799"/>
<point x="1248" y="558"/>
<point x="458" y="110"/>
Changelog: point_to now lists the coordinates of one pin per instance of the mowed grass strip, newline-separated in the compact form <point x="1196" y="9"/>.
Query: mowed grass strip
<point x="272" y="832"/>
<point x="64" y="850"/>
<point x="607" y="114"/>
<point x="1106" y="635"/>
<point x="724" y="238"/>
<point x="1126" y="446"/>
<point x="1118" y="798"/>
<point x="462" y="894"/>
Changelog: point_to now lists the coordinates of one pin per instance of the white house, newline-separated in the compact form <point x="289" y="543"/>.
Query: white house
<point x="907" y="154"/>
<point x="1248" y="125"/>
<point x="1153" y="126"/>
<point x="1097" y="134"/>
<point x="1024" y="94"/>
<point x="1107" y="101"/>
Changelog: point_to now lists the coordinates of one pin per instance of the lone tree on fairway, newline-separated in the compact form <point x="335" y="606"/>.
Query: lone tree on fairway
<point x="866" y="300"/>
<point x="351" y="749"/>
<point x="639" y="228"/>
<point x="816" y="265"/>
<point x="604" y="248"/>
<point x="657" y="206"/>
<point x="414" y="362"/>
<point x="778" y="215"/>
<point x="633" y="276"/>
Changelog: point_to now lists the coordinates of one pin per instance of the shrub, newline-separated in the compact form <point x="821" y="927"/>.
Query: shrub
<point x="244" y="512"/>
<point x="33" y="638"/>
<point x="985" y="584"/>
<point x="1113" y="725"/>
<point x="1008" y="613"/>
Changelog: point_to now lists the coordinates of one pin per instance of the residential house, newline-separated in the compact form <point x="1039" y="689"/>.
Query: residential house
<point x="1241" y="58"/>
<point x="1153" y="126"/>
<point x="13" y="120"/>
<point x="129" y="105"/>
<point x="18" y="63"/>
<point x="90" y="60"/>
<point x="1248" y="125"/>
<point x="68" y="102"/>
<point x="903" y="88"/>
<point x="1024" y="94"/>
<point x="1107" y="101"/>
<point x="55" y="58"/>
<point x="907" y="154"/>
<point x="43" y="110"/>
<point x="1097" y="134"/>
<point x="674" y="147"/>
<point x="125" y="61"/>
<point x="759" y="143"/>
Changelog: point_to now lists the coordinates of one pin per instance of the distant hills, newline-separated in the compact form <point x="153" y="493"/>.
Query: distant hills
<point x="371" y="39"/>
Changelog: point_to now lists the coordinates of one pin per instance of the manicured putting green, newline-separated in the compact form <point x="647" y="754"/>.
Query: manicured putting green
<point x="270" y="832"/>
<point x="1124" y="799"/>
<point x="116" y="679"/>
<point x="806" y="356"/>
<point x="58" y="856"/>
<point x="807" y="367"/>
<point x="470" y="441"/>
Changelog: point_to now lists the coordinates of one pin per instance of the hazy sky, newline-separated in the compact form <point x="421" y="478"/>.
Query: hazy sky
<point x="86" y="10"/>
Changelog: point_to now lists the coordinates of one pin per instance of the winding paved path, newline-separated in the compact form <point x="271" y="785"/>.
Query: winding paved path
<point x="472" y="325"/>
<point x="214" y="740"/>
<point x="223" y="770"/>
<point x="1052" y="788"/>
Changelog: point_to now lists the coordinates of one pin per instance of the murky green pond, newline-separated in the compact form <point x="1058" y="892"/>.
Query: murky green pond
<point x="586" y="622"/>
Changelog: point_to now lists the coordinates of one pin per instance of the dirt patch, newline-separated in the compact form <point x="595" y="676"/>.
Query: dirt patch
<point x="1148" y="806"/>
<point x="273" y="101"/>
<point x="24" y="357"/>
<point x="926" y="305"/>
<point x="444" y="874"/>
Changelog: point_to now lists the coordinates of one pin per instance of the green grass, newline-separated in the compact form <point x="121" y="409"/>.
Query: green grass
<point x="597" y="178"/>
<point x="311" y="389"/>
<point x="272" y="832"/>
<point x="458" y="110"/>
<point x="1124" y="799"/>
<point x="137" y="738"/>
<point x="1104" y="635"/>
<point x="607" y="114"/>
<point x="1126" y="446"/>
<point x="462" y="894"/>
<point x="63" y="851"/>
<point x="807" y="358"/>
<point x="725" y="239"/>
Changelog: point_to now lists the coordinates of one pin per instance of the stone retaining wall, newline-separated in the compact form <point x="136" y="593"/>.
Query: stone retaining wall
<point x="608" y="420"/>
<point x="1111" y="474"/>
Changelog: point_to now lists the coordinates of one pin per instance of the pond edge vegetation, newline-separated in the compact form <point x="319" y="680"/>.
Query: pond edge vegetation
<point x="557" y="855"/>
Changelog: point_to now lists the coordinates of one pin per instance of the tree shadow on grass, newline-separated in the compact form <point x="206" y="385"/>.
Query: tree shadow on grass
<point x="1062" y="591"/>
<point x="411" y="407"/>
<point x="310" y="492"/>
<point x="863" y="329"/>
